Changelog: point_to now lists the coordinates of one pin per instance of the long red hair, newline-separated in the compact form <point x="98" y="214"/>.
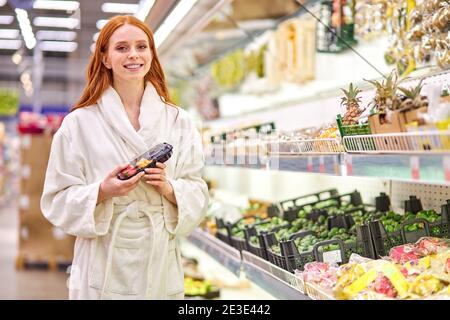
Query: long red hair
<point x="99" y="78"/>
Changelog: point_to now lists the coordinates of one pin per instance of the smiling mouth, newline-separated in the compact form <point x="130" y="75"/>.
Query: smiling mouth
<point x="133" y="66"/>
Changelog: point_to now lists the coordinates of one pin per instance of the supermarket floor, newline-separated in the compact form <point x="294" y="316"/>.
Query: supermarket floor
<point x="44" y="284"/>
<point x="26" y="284"/>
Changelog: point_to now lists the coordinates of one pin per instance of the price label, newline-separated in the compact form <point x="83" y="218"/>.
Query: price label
<point x="26" y="171"/>
<point x="333" y="256"/>
<point x="24" y="202"/>
<point x="348" y="164"/>
<point x="26" y="141"/>
<point x="309" y="166"/>
<point x="415" y="167"/>
<point x="446" y="164"/>
<point x="321" y="164"/>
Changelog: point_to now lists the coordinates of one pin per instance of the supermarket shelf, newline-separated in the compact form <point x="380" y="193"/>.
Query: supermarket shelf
<point x="305" y="146"/>
<point x="278" y="282"/>
<point x="433" y="142"/>
<point x="223" y="253"/>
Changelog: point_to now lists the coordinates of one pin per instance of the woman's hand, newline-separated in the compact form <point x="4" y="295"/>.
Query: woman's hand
<point x="112" y="186"/>
<point x="156" y="177"/>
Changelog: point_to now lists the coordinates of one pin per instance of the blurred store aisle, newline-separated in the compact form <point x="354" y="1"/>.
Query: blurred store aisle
<point x="25" y="284"/>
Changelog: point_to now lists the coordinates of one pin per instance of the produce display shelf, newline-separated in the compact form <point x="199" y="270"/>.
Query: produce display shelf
<point x="432" y="142"/>
<point x="304" y="147"/>
<point x="278" y="282"/>
<point x="411" y="167"/>
<point x="228" y="256"/>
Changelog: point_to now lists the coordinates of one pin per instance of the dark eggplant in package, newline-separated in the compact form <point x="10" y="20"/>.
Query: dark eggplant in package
<point x="159" y="153"/>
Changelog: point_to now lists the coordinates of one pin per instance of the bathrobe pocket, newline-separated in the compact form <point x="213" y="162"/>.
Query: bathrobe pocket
<point x="128" y="263"/>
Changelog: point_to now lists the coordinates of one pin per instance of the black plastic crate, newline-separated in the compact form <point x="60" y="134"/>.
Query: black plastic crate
<point x="259" y="249"/>
<point x="286" y="206"/>
<point x="223" y="232"/>
<point x="353" y="197"/>
<point x="297" y="260"/>
<point x="384" y="241"/>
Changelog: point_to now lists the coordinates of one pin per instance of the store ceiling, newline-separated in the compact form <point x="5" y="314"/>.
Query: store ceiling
<point x="210" y="28"/>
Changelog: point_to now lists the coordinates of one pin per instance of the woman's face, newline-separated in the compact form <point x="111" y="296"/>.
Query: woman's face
<point x="128" y="53"/>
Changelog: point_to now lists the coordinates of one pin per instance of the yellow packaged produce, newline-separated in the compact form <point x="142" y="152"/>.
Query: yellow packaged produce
<point x="425" y="285"/>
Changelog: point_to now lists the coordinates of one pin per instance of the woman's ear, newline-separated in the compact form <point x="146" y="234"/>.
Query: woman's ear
<point x="105" y="62"/>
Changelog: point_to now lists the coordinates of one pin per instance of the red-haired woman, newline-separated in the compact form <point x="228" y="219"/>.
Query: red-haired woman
<point x="126" y="245"/>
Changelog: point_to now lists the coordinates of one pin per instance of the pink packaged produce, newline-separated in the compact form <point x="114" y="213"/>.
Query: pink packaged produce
<point x="321" y="273"/>
<point x="414" y="251"/>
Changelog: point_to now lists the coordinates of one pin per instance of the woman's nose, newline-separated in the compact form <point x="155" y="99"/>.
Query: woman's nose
<point x="132" y="53"/>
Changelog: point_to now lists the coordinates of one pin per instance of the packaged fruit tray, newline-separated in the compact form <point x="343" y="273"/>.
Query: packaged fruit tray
<point x="393" y="229"/>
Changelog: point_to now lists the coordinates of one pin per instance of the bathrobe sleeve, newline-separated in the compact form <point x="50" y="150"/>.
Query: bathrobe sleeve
<point x="190" y="189"/>
<point x="68" y="202"/>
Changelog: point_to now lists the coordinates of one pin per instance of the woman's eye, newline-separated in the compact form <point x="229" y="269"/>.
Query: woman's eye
<point x="143" y="46"/>
<point x="121" y="48"/>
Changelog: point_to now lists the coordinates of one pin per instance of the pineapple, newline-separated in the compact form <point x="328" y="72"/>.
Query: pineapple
<point x="351" y="102"/>
<point x="386" y="93"/>
<point x="413" y="99"/>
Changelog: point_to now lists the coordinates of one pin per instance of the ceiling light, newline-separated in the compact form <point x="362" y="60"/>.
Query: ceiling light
<point x="56" y="5"/>
<point x="25" y="28"/>
<point x="101" y="23"/>
<point x="173" y="20"/>
<point x="95" y="36"/>
<point x="25" y="77"/>
<point x="6" y="19"/>
<point x="92" y="47"/>
<point x="10" y="44"/>
<point x="69" y="23"/>
<point x="2" y="3"/>
<point x="144" y="8"/>
<point x="56" y="35"/>
<point x="60" y="46"/>
<point x="9" y="33"/>
<point x="120" y="7"/>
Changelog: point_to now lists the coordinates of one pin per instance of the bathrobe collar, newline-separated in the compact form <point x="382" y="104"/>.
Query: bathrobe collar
<point x="151" y="111"/>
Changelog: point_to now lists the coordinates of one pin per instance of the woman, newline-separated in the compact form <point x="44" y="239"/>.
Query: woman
<point x="126" y="245"/>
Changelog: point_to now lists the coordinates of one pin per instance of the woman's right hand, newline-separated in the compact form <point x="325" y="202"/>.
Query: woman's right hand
<point x="112" y="186"/>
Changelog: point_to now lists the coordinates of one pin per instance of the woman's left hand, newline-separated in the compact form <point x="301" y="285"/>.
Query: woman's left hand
<point x="156" y="177"/>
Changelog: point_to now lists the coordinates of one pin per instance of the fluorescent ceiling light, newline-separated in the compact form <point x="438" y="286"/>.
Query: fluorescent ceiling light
<point x="2" y="3"/>
<point x="101" y="23"/>
<point x="6" y="19"/>
<point x="56" y="5"/>
<point x="56" y="35"/>
<point x="120" y="7"/>
<point x="25" y="28"/>
<point x="173" y="20"/>
<point x="10" y="44"/>
<point x="60" y="46"/>
<point x="69" y="23"/>
<point x="9" y="33"/>
<point x="144" y="8"/>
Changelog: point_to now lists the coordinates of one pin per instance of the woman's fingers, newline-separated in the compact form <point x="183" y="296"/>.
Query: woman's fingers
<point x="155" y="170"/>
<point x="154" y="177"/>
<point x="119" y="169"/>
<point x="160" y="165"/>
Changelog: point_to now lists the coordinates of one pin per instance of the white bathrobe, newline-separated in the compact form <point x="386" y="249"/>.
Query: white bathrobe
<point x="126" y="247"/>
